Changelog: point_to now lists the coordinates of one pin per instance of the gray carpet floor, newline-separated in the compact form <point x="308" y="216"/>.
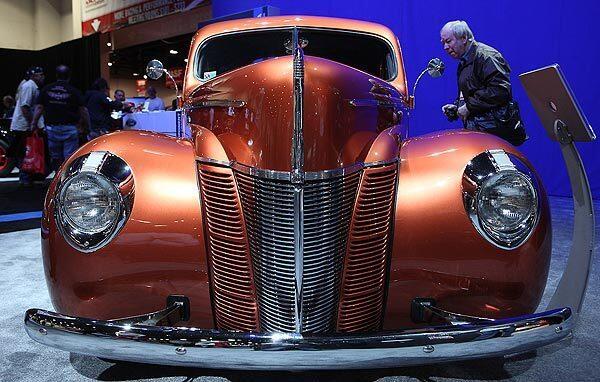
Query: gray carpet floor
<point x="22" y="286"/>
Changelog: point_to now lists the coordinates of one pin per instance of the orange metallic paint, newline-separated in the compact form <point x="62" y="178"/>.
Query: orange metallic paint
<point x="159" y="252"/>
<point x="342" y="117"/>
<point x="437" y="252"/>
<point x="260" y="133"/>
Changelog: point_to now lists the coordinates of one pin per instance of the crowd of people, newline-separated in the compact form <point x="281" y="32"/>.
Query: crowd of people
<point x="63" y="116"/>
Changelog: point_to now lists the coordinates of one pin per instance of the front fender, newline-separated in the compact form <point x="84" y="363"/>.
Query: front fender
<point x="159" y="252"/>
<point x="438" y="253"/>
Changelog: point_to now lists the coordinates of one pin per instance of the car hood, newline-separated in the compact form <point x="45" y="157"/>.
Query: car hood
<point x="250" y="111"/>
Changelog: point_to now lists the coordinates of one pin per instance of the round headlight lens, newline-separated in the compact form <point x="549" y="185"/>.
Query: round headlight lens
<point x="90" y="203"/>
<point x="507" y="205"/>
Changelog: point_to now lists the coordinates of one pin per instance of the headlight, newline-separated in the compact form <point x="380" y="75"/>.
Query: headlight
<point x="90" y="203"/>
<point x="94" y="199"/>
<point x="501" y="198"/>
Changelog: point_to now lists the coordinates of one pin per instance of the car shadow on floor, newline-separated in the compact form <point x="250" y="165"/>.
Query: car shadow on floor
<point x="486" y="369"/>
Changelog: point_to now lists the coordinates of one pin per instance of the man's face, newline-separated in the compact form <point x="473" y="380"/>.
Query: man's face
<point x="38" y="78"/>
<point x="120" y="96"/>
<point x="455" y="47"/>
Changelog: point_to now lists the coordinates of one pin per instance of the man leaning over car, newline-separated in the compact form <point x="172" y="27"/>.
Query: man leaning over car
<point x="484" y="102"/>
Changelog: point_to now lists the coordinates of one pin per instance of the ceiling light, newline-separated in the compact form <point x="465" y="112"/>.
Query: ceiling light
<point x="108" y="44"/>
<point x="145" y="77"/>
<point x="110" y="64"/>
<point x="185" y="60"/>
<point x="173" y="51"/>
<point x="135" y="74"/>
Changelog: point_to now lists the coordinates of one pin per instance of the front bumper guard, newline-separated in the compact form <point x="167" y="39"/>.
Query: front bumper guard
<point x="135" y="340"/>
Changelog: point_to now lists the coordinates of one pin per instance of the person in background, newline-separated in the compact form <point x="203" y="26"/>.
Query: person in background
<point x="117" y="115"/>
<point x="153" y="103"/>
<point x="21" y="123"/>
<point x="9" y="106"/>
<point x="100" y="106"/>
<point x="484" y="101"/>
<point x="62" y="106"/>
<point x="120" y="95"/>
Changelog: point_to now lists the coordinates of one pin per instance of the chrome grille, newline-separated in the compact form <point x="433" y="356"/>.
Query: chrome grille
<point x="269" y="212"/>
<point x="268" y="206"/>
<point x="230" y="265"/>
<point x="363" y="286"/>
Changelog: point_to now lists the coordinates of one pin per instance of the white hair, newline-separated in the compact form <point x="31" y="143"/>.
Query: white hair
<point x="460" y="29"/>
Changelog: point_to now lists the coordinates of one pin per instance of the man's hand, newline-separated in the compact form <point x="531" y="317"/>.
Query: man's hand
<point x="450" y="111"/>
<point x="463" y="112"/>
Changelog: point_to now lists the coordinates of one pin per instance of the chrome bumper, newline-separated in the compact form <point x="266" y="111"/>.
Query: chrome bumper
<point x="194" y="347"/>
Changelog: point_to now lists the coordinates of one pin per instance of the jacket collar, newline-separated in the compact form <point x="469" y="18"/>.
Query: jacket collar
<point x="469" y="55"/>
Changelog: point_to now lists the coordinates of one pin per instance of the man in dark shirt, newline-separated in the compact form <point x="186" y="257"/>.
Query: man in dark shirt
<point x="484" y="101"/>
<point x="62" y="106"/>
<point x="100" y="107"/>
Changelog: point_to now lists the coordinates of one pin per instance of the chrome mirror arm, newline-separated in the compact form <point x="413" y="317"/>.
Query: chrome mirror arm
<point x="414" y="90"/>
<point x="435" y="68"/>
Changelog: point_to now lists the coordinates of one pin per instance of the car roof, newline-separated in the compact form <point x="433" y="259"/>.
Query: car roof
<point x="258" y="23"/>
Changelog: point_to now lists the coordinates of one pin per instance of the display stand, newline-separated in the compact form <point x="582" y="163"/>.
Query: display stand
<point x="565" y="123"/>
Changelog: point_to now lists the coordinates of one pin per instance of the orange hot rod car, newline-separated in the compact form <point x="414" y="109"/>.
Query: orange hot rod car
<point x="299" y="226"/>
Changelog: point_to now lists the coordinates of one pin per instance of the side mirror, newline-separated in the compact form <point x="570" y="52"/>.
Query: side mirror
<point x="154" y="69"/>
<point x="435" y="68"/>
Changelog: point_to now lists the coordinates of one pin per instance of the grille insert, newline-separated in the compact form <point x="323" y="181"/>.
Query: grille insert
<point x="363" y="286"/>
<point x="269" y="211"/>
<point x="230" y="265"/>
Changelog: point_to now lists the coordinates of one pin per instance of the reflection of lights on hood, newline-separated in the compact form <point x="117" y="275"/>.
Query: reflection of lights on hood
<point x="442" y="152"/>
<point x="173" y="189"/>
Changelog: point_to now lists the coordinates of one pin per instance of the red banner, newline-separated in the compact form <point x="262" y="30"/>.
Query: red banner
<point x="177" y="74"/>
<point x="100" y="15"/>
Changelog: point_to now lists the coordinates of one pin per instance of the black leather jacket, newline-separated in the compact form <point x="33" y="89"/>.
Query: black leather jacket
<point x="484" y="79"/>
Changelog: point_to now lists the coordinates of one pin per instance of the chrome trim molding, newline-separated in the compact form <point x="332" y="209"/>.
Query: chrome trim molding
<point x="368" y="102"/>
<point x="209" y="348"/>
<point x="297" y="176"/>
<point x="285" y="175"/>
<point x="215" y="103"/>
<point x="118" y="173"/>
<point x="481" y="168"/>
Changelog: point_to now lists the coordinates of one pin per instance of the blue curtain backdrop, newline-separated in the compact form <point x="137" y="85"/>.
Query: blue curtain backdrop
<point x="529" y="35"/>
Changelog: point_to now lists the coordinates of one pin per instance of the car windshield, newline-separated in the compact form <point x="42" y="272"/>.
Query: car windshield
<point x="365" y="52"/>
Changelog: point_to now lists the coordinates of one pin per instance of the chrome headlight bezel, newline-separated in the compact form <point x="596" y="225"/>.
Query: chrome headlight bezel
<point x="481" y="172"/>
<point x="108" y="170"/>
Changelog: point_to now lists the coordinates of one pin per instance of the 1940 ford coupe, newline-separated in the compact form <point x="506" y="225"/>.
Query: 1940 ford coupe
<point x="299" y="226"/>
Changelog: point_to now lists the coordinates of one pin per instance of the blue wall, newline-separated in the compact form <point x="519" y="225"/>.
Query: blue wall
<point x="529" y="34"/>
